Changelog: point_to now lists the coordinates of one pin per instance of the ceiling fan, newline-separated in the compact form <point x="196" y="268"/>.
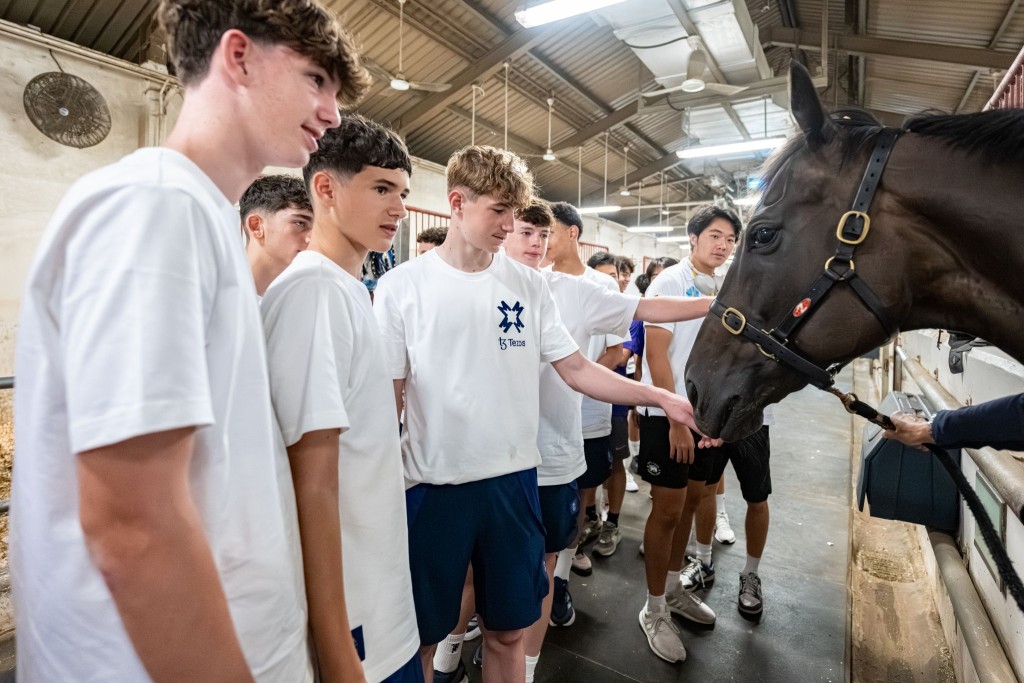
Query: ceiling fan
<point x="398" y="79"/>
<point x="695" y="82"/>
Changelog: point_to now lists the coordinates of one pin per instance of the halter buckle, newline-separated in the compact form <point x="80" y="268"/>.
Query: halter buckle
<point x="828" y="265"/>
<point x="742" y="321"/>
<point x="842" y="223"/>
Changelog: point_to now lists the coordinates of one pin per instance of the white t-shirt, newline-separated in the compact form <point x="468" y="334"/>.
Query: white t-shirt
<point x="140" y="317"/>
<point x="597" y="415"/>
<point x="678" y="280"/>
<point x="327" y="370"/>
<point x="469" y="346"/>
<point x="587" y="308"/>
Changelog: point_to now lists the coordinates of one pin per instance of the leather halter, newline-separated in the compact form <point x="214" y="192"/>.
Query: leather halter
<point x="853" y="229"/>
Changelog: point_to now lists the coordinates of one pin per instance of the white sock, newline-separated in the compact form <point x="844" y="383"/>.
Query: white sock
<point x="656" y="603"/>
<point x="672" y="581"/>
<point x="751" y="565"/>
<point x="720" y="503"/>
<point x="634" y="448"/>
<point x="448" y="653"/>
<point x="531" y="666"/>
<point x="704" y="552"/>
<point x="564" y="563"/>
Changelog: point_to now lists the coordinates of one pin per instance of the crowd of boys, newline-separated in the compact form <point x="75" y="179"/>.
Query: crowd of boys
<point x="232" y="465"/>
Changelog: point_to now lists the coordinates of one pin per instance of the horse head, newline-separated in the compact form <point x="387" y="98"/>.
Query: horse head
<point x="920" y="274"/>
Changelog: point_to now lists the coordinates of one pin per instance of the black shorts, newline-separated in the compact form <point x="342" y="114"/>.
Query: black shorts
<point x="560" y="511"/>
<point x="656" y="465"/>
<point x="598" y="452"/>
<point x="620" y="437"/>
<point x="750" y="459"/>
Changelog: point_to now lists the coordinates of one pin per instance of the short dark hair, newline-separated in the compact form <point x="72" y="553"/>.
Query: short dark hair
<point x="603" y="258"/>
<point x="643" y="280"/>
<point x="194" y="29"/>
<point x="626" y="264"/>
<point x="566" y="214"/>
<point x="356" y="143"/>
<point x="538" y="213"/>
<point x="702" y="219"/>
<point x="433" y="236"/>
<point x="273" y="193"/>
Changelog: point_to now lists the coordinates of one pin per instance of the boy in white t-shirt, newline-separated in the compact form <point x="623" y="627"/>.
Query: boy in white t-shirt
<point x="277" y="222"/>
<point x="333" y="399"/>
<point x="153" y="531"/>
<point x="466" y="330"/>
<point x="588" y="308"/>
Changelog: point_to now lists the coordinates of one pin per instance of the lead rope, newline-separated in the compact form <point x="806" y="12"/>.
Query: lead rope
<point x="988" y="530"/>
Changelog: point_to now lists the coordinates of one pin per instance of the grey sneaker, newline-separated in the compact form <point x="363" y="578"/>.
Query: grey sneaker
<point x="689" y="606"/>
<point x="590" y="531"/>
<point x="609" y="540"/>
<point x="581" y="564"/>
<point x="698" y="575"/>
<point x="662" y="634"/>
<point x="751" y="600"/>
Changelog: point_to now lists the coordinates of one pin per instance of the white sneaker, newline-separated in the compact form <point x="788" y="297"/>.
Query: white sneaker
<point x="631" y="485"/>
<point x="689" y="606"/>
<point x="723" y="532"/>
<point x="662" y="634"/>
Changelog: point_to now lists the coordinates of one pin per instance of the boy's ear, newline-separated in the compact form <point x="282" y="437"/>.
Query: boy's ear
<point x="456" y="200"/>
<point x="323" y="188"/>
<point x="254" y="225"/>
<point x="235" y="53"/>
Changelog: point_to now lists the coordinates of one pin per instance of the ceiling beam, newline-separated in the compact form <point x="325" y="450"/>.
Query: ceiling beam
<point x="516" y="44"/>
<point x="975" y="58"/>
<point x="1007" y="18"/>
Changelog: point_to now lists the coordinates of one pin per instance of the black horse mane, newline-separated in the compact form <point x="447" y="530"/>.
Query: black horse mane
<point x="997" y="134"/>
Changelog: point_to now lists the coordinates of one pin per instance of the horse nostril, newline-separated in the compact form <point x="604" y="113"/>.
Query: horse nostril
<point x="691" y="392"/>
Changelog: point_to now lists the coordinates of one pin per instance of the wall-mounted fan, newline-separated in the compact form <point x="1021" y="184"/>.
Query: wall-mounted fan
<point x="67" y="109"/>
<point x="398" y="80"/>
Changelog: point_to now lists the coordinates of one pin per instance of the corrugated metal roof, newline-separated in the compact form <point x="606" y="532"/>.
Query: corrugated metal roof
<point x="444" y="37"/>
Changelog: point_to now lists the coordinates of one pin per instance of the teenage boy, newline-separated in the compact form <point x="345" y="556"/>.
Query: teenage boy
<point x="277" y="221"/>
<point x="606" y="350"/>
<point x="430" y="238"/>
<point x="335" y="405"/>
<point x="587" y="308"/>
<point x="666" y="456"/>
<point x="154" y="536"/>
<point x="470" y="433"/>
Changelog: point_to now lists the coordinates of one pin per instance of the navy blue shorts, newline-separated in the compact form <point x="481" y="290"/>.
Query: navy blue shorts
<point x="411" y="672"/>
<point x="496" y="525"/>
<point x="599" y="462"/>
<point x="560" y="510"/>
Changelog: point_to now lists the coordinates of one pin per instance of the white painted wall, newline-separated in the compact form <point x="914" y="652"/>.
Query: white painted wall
<point x="36" y="171"/>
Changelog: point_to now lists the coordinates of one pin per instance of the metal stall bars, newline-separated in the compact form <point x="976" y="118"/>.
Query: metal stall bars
<point x="1010" y="93"/>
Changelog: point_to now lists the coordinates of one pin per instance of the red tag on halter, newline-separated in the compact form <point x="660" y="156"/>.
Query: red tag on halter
<point x="801" y="308"/>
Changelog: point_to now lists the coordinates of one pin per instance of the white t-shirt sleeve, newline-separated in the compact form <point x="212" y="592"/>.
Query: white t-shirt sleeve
<point x="132" y="316"/>
<point x="309" y="341"/>
<point x="664" y="286"/>
<point x="392" y="328"/>
<point x="555" y="341"/>
<point x="607" y="312"/>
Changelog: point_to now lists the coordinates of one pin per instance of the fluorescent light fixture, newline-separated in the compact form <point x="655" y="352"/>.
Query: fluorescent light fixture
<point x="590" y="210"/>
<point x="731" y="148"/>
<point x="399" y="84"/>
<point x="675" y="238"/>
<point x="749" y="200"/>
<point x="650" y="228"/>
<point x="555" y="10"/>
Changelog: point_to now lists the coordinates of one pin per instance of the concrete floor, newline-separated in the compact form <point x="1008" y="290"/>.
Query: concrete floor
<point x="803" y="635"/>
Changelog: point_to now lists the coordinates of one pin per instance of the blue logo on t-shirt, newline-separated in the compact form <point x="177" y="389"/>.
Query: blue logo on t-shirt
<point x="506" y="322"/>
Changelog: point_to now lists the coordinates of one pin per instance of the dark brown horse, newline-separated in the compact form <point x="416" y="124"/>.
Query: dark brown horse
<point x="943" y="251"/>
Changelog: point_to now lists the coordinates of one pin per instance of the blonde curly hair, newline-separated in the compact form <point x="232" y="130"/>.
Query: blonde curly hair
<point x="497" y="173"/>
<point x="194" y="28"/>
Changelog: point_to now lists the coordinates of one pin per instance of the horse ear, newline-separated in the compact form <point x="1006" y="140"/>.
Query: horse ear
<point x="806" y="107"/>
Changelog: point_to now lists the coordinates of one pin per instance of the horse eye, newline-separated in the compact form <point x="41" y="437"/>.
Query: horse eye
<point x="762" y="236"/>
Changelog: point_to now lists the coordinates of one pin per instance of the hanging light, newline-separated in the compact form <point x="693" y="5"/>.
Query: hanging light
<point x="625" y="172"/>
<point x="549" y="155"/>
<point x="506" y="65"/>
